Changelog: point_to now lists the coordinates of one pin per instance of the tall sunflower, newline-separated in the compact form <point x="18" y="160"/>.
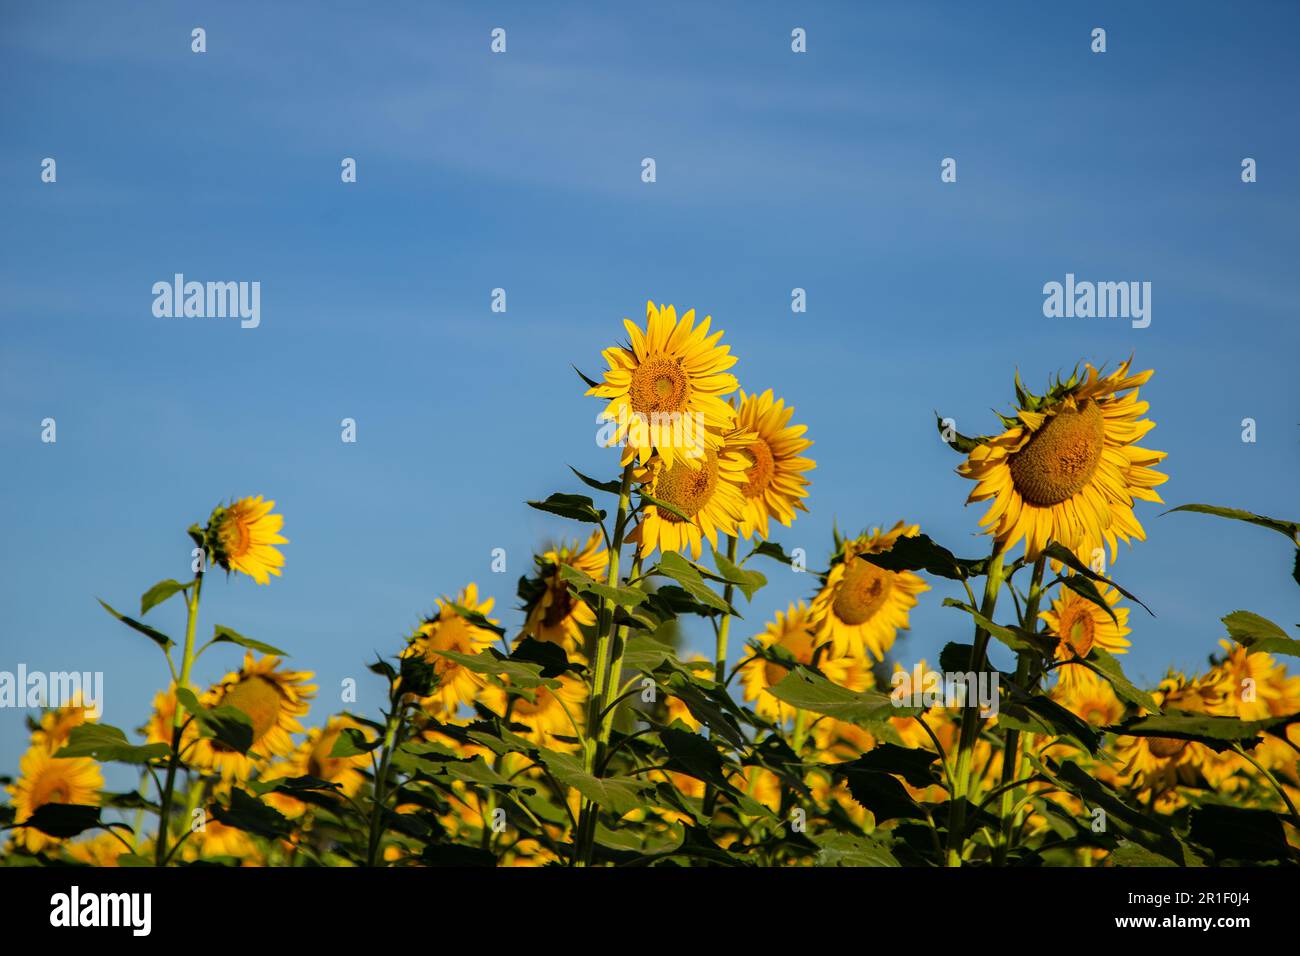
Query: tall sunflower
<point x="554" y="614"/>
<point x="861" y="606"/>
<point x="667" y="388"/>
<point x="1080" y="625"/>
<point x="449" y="630"/>
<point x="793" y="631"/>
<point x="43" y="780"/>
<point x="709" y="494"/>
<point x="1067" y="468"/>
<point x="241" y="538"/>
<point x="774" y="484"/>
<point x="272" y="699"/>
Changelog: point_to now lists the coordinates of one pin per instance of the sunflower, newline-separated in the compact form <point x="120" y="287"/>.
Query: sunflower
<point x="794" y="632"/>
<point x="1089" y="696"/>
<point x="861" y="606"/>
<point x="272" y="699"/>
<point x="44" y="780"/>
<point x="667" y="390"/>
<point x="449" y="630"/>
<point x="1254" y="684"/>
<point x="554" y="614"/>
<point x="56" y="726"/>
<point x="102" y="849"/>
<point x="312" y="758"/>
<point x="1081" y="625"/>
<point x="240" y="537"/>
<point x="1158" y="764"/>
<point x="546" y="712"/>
<point x="774" y="484"/>
<point x="1067" y="469"/>
<point x="216" y="839"/>
<point x="709" y="494"/>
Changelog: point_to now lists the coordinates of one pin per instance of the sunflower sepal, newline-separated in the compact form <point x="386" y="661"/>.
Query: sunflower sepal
<point x="963" y="444"/>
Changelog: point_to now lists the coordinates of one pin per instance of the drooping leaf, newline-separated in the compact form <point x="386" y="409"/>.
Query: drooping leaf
<point x="225" y="635"/>
<point x="230" y="725"/>
<point x="673" y="565"/>
<point x="158" y="593"/>
<point x="921" y="553"/>
<point x="577" y="507"/>
<point x="1258" y="634"/>
<point x="609" y="487"/>
<point x="618" y="795"/>
<point x="1239" y="833"/>
<point x="586" y="586"/>
<point x="247" y="813"/>
<point x="1067" y="557"/>
<point x="107" y="743"/>
<point x="63" y="820"/>
<point x="155" y="635"/>
<point x="748" y="581"/>
<point x="808" y="691"/>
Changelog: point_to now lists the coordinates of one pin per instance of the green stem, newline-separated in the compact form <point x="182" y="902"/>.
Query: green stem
<point x="602" y="671"/>
<point x="165" y="804"/>
<point x="1011" y="753"/>
<point x="391" y="732"/>
<point x="724" y="626"/>
<point x="970" y="720"/>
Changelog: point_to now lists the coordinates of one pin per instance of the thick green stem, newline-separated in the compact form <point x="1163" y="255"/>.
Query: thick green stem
<point x="724" y="626"/>
<point x="970" y="720"/>
<point x="391" y="735"/>
<point x="165" y="803"/>
<point x="608" y="664"/>
<point x="1011" y="752"/>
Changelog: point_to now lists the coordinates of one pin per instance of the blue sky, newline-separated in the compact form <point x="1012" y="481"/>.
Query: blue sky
<point x="522" y="171"/>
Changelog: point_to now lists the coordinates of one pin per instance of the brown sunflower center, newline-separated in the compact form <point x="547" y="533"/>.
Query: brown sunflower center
<point x="1166" y="747"/>
<point x="259" y="699"/>
<point x="659" y="385"/>
<point x="233" y="535"/>
<point x="862" y="592"/>
<point x="1078" y="629"/>
<point x="1061" y="457"/>
<point x="762" y="468"/>
<point x="560" y="604"/>
<point x="685" y="488"/>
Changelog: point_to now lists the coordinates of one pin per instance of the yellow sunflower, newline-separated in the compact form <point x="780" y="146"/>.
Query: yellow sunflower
<point x="56" y="726"/>
<point x="272" y="699"/>
<point x="311" y="758"/>
<point x="1081" y="625"/>
<point x="241" y="536"/>
<point x="795" y="632"/>
<point x="552" y="711"/>
<point x="667" y="390"/>
<point x="774" y="484"/>
<point x="1159" y="764"/>
<point x="44" y="780"/>
<point x="861" y="607"/>
<point x="449" y="630"/>
<point x="1067" y="468"/>
<point x="1255" y="686"/>
<point x="1090" y="696"/>
<point x="709" y="494"/>
<point x="553" y="613"/>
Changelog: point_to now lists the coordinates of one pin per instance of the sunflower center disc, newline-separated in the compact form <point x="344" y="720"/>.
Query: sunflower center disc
<point x="659" y="385"/>
<point x="685" y="488"/>
<point x="1059" y="460"/>
<point x="763" y="467"/>
<point x="863" y="591"/>
<point x="1078" y="630"/>
<point x="259" y="699"/>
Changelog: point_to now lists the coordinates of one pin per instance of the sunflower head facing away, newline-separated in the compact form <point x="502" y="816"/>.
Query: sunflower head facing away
<point x="774" y="483"/>
<point x="552" y="611"/>
<point x="241" y="537"/>
<point x="1067" y="468"/>
<point x="272" y="699"/>
<point x="861" y="606"/>
<point x="667" y="388"/>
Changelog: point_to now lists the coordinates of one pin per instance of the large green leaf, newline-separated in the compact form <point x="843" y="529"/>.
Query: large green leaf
<point x="673" y="565"/>
<point x="158" y="593"/>
<point x="618" y="795"/>
<point x="1258" y="634"/>
<point x="852" y="849"/>
<point x="1212" y="731"/>
<point x="805" y="690"/>
<point x="106" y="743"/>
<point x="227" y="724"/>
<point x="63" y="820"/>
<point x="586" y="586"/>
<point x="920" y="553"/>
<point x="577" y="507"/>
<point x="748" y="581"/>
<point x="1067" y="557"/>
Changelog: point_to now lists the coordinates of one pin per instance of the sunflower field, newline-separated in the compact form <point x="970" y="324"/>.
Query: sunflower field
<point x="576" y="735"/>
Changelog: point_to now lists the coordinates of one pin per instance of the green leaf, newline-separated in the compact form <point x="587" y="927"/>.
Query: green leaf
<point x="106" y="743"/>
<point x="748" y="581"/>
<point x="644" y="653"/>
<point x="920" y="553"/>
<point x="158" y="637"/>
<point x="478" y="619"/>
<point x="610" y="487"/>
<point x="522" y="674"/>
<point x="1289" y="528"/>
<point x="618" y="795"/>
<point x="1214" y="732"/>
<point x="577" y="507"/>
<point x="1134" y="854"/>
<point x="911" y="763"/>
<point x="584" y="585"/>
<point x="352" y="742"/>
<point x="1238" y="833"/>
<point x="63" y="820"/>
<point x="1067" y="557"/>
<point x="852" y="849"/>
<point x="1105" y="664"/>
<point x="228" y="724"/>
<point x="1150" y="831"/>
<point x="805" y="690"/>
<point x="1087" y="590"/>
<point x="1015" y="638"/>
<point x="881" y="793"/>
<point x="159" y="593"/>
<point x="673" y="565"/>
<point x="251" y="815"/>
<point x="1258" y="634"/>
<point x="224" y="635"/>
